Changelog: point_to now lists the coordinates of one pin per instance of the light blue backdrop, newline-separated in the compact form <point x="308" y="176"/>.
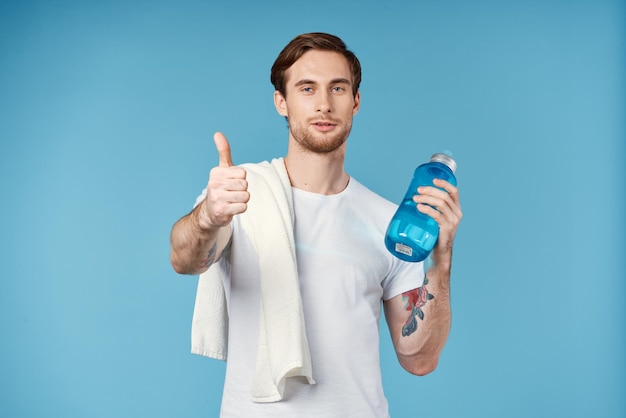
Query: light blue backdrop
<point x="107" y="111"/>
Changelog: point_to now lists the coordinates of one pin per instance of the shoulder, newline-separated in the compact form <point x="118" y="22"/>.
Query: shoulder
<point x="360" y="191"/>
<point x="268" y="171"/>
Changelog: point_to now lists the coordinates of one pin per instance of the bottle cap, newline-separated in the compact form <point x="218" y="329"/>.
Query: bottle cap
<point x="444" y="159"/>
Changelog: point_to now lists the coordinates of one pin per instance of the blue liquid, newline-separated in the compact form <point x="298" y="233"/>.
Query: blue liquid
<point x="411" y="234"/>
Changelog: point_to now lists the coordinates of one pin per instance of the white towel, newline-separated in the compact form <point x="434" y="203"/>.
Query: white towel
<point x="283" y="349"/>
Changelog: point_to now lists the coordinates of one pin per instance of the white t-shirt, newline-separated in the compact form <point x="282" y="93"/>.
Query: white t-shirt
<point x="345" y="272"/>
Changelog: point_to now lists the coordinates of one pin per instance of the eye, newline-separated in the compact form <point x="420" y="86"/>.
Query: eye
<point x="338" y="89"/>
<point x="307" y="89"/>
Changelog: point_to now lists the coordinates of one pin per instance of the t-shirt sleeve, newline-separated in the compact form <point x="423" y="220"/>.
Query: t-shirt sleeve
<point x="403" y="276"/>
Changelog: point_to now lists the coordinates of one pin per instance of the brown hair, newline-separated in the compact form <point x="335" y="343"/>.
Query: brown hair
<point x="303" y="43"/>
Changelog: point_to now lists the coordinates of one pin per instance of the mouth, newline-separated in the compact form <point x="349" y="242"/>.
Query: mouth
<point x="323" y="125"/>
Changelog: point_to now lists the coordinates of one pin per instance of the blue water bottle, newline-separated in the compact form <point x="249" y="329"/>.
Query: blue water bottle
<point x="411" y="234"/>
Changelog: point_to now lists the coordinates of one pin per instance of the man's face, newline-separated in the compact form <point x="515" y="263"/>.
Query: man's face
<point x="319" y="105"/>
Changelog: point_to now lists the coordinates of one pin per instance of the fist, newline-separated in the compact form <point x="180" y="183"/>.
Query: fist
<point x="227" y="190"/>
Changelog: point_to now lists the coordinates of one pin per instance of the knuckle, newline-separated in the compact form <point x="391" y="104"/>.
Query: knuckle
<point x="214" y="197"/>
<point x="214" y="183"/>
<point x="215" y="172"/>
<point x="237" y="172"/>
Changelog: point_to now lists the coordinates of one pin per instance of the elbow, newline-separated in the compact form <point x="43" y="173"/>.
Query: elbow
<point x="420" y="366"/>
<point x="424" y="369"/>
<point x="184" y="268"/>
<point x="179" y="267"/>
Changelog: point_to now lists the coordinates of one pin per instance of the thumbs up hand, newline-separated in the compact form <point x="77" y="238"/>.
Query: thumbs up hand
<point x="227" y="190"/>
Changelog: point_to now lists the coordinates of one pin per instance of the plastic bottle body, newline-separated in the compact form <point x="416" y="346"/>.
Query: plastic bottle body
<point x="411" y="234"/>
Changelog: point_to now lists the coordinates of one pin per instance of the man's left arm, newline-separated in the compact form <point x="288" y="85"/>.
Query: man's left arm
<point x="419" y="320"/>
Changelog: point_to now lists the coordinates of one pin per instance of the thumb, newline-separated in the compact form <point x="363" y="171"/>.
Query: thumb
<point x="223" y="149"/>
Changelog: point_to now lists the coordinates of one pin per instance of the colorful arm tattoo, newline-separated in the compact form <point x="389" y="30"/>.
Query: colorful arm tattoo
<point x="415" y="299"/>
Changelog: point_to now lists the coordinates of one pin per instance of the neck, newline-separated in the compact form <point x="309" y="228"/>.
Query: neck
<point x="317" y="173"/>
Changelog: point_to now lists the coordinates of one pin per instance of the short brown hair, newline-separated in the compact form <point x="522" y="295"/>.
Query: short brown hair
<point x="303" y="43"/>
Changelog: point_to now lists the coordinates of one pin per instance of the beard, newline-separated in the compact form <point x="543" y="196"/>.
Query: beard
<point x="318" y="142"/>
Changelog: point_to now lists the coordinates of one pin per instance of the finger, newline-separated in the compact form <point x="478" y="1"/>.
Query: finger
<point x="447" y="186"/>
<point x="442" y="190"/>
<point x="434" y="192"/>
<point x="453" y="193"/>
<point x="442" y="203"/>
<point x="227" y="197"/>
<point x="223" y="150"/>
<point x="447" y="219"/>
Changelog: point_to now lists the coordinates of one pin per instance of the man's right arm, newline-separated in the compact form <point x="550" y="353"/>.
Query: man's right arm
<point x="193" y="248"/>
<point x="198" y="239"/>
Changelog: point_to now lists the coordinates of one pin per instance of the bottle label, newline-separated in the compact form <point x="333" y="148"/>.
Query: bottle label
<point x="404" y="249"/>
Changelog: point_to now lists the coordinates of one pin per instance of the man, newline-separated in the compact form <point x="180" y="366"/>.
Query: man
<point x="343" y="268"/>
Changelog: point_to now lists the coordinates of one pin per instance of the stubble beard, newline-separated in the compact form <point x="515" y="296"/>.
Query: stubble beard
<point x="320" y="143"/>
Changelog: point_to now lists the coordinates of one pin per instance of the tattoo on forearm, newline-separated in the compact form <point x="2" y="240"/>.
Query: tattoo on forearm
<point x="210" y="257"/>
<point x="415" y="299"/>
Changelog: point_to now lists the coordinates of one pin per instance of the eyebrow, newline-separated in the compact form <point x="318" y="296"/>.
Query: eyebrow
<point x="333" y="81"/>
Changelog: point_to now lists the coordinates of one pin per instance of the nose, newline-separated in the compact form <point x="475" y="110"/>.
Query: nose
<point x="323" y="104"/>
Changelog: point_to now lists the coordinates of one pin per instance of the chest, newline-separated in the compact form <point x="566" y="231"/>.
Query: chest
<point x="340" y="250"/>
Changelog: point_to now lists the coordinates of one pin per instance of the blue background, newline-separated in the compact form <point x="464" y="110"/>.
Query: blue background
<point x="107" y="111"/>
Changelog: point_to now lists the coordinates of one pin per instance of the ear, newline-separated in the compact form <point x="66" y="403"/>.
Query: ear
<point x="357" y="103"/>
<point x="280" y="103"/>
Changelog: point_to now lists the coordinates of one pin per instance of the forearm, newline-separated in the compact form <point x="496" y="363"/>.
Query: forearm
<point x="419" y="352"/>
<point x="193" y="247"/>
<point x="419" y="319"/>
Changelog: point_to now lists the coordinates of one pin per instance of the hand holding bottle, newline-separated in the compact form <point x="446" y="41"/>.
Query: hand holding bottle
<point x="442" y="204"/>
<point x="414" y="231"/>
